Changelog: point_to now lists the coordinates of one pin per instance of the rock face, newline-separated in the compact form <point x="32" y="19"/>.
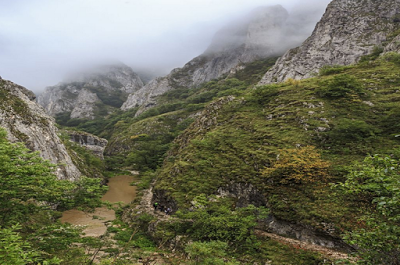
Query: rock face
<point x="347" y="31"/>
<point x="89" y="94"/>
<point x="394" y="45"/>
<point x="303" y="233"/>
<point x="243" y="193"/>
<point x="25" y="121"/>
<point x="91" y="142"/>
<point x="266" y="32"/>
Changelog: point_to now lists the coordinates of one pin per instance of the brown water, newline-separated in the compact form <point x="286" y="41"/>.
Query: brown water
<point x="119" y="191"/>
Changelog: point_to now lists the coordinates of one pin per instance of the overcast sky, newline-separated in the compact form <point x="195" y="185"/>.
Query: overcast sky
<point x="41" y="41"/>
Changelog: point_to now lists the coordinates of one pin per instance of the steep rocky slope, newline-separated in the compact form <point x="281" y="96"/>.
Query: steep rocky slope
<point x="91" y="94"/>
<point x="266" y="32"/>
<point x="25" y="121"/>
<point x="347" y="31"/>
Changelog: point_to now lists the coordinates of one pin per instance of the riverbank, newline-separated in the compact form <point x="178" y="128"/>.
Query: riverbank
<point x="119" y="190"/>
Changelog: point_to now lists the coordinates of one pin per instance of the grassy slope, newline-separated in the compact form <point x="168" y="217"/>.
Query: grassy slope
<point x="131" y="136"/>
<point x="250" y="131"/>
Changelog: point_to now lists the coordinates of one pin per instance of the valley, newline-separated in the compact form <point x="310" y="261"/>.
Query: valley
<point x="262" y="152"/>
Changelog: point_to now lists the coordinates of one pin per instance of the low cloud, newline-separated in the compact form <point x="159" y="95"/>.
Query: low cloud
<point x="41" y="41"/>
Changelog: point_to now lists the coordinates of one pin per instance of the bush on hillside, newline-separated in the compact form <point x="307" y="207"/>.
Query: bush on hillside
<point x="341" y="86"/>
<point x="333" y="69"/>
<point x="296" y="165"/>
<point x="375" y="182"/>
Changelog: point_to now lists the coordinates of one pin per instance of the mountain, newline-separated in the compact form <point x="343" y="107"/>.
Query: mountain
<point x="347" y="31"/>
<point x="285" y="146"/>
<point x="91" y="94"/>
<point x="236" y="165"/>
<point x="26" y="122"/>
<point x="266" y="32"/>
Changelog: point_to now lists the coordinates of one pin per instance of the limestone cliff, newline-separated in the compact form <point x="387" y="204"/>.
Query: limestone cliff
<point x="262" y="34"/>
<point x="91" y="94"/>
<point x="89" y="141"/>
<point x="25" y="121"/>
<point x="347" y="31"/>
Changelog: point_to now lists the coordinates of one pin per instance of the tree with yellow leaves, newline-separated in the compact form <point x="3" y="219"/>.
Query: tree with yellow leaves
<point x="296" y="165"/>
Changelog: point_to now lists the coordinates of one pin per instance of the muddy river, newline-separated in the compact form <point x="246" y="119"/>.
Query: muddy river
<point x="119" y="191"/>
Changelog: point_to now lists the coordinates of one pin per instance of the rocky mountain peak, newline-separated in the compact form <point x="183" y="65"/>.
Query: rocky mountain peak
<point x="347" y="31"/>
<point x="84" y="95"/>
<point x="261" y="34"/>
<point x="108" y="75"/>
<point x="256" y="34"/>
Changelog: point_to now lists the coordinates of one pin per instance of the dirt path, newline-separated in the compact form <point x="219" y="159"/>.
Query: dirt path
<point x="326" y="252"/>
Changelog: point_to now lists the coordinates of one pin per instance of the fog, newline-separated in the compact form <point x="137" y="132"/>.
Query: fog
<point x="42" y="41"/>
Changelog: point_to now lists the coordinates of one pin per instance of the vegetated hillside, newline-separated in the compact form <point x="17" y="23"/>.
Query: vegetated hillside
<point x="289" y="141"/>
<point x="278" y="146"/>
<point x="139" y="143"/>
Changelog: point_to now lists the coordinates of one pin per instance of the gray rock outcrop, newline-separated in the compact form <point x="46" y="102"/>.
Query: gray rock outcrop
<point x="394" y="45"/>
<point x="84" y="105"/>
<point x="86" y="94"/>
<point x="89" y="141"/>
<point x="25" y="121"/>
<point x="347" y="31"/>
<point x="266" y="32"/>
<point x="323" y="237"/>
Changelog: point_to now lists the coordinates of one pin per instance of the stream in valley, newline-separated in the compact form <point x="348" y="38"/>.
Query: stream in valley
<point x="119" y="191"/>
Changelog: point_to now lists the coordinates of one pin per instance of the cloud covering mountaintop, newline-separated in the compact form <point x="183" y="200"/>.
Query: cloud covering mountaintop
<point x="42" y="40"/>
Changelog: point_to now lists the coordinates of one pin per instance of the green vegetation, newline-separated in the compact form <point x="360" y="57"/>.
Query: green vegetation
<point x="113" y="98"/>
<point x="210" y="253"/>
<point x="374" y="184"/>
<point x="28" y="192"/>
<point x="300" y="144"/>
<point x="341" y="86"/>
<point x="290" y="140"/>
<point x="373" y="55"/>
<point x="213" y="231"/>
<point x="344" y="114"/>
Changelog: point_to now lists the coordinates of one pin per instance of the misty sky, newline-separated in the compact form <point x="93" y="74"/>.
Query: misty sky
<point x="41" y="41"/>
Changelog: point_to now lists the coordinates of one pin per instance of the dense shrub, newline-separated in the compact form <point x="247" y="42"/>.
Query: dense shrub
<point x="341" y="86"/>
<point x="298" y="165"/>
<point x="333" y="69"/>
<point x="376" y="52"/>
<point x="264" y="94"/>
<point x="393" y="57"/>
<point x="348" y="130"/>
<point x="377" y="236"/>
<point x="63" y="118"/>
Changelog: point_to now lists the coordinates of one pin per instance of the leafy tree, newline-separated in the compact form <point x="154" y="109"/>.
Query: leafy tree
<point x="25" y="181"/>
<point x="341" y="86"/>
<point x="212" y="253"/>
<point x="297" y="165"/>
<point x="350" y="130"/>
<point x="16" y="251"/>
<point x="216" y="221"/>
<point x="28" y="184"/>
<point x="375" y="182"/>
<point x="28" y="191"/>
